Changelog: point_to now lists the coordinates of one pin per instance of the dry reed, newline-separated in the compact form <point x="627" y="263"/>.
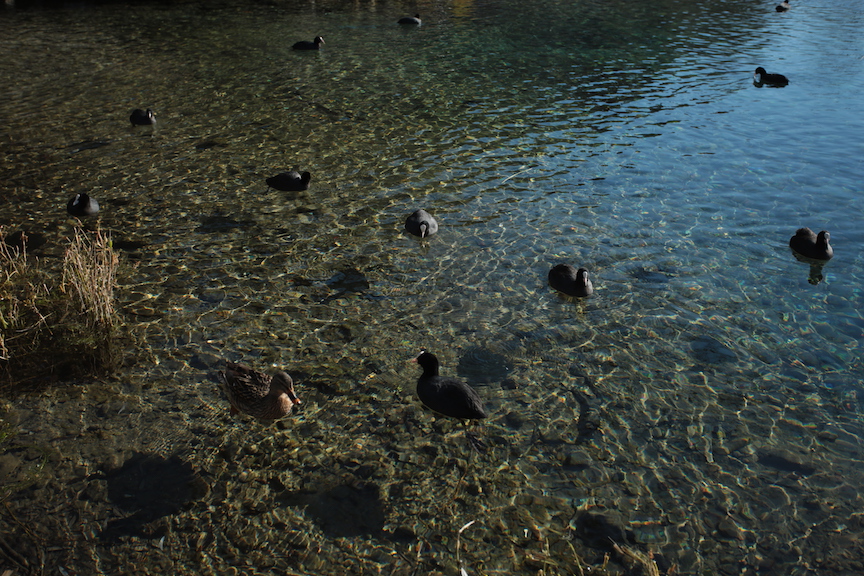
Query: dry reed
<point x="90" y="270"/>
<point x="23" y="292"/>
<point x="52" y="326"/>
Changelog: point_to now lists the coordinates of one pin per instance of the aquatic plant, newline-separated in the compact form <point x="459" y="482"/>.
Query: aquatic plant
<point x="58" y="325"/>
<point x="90" y="272"/>
<point x="89" y="277"/>
<point x="22" y="293"/>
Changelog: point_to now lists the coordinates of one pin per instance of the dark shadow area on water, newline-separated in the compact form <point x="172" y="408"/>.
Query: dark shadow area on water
<point x="343" y="511"/>
<point x="149" y="487"/>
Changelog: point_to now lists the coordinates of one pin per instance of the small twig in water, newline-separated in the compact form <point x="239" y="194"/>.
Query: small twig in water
<point x="641" y="558"/>
<point x="517" y="174"/>
<point x="462" y="570"/>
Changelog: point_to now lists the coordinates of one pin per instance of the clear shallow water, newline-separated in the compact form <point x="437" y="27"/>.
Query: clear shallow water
<point x="703" y="405"/>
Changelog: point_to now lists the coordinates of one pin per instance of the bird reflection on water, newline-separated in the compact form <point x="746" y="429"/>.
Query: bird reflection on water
<point x="815" y="275"/>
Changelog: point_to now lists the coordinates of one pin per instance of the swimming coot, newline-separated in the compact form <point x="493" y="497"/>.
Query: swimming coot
<point x="761" y="77"/>
<point x="290" y="181"/>
<point x="307" y="45"/>
<point x="142" y="117"/>
<point x="410" y="20"/>
<point x="811" y="245"/>
<point x="421" y="224"/>
<point x="565" y="278"/>
<point x="447" y="396"/>
<point x="82" y="205"/>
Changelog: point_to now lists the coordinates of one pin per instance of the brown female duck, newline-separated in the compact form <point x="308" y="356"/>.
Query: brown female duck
<point x="257" y="394"/>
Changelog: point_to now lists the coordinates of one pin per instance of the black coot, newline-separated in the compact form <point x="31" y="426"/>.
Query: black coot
<point x="565" y="278"/>
<point x="307" y="45"/>
<point x="421" y="224"/>
<point x="447" y="396"/>
<point x="82" y="205"/>
<point x="290" y="181"/>
<point x="142" y="117"/>
<point x="410" y="20"/>
<point x="760" y="77"/>
<point x="811" y="245"/>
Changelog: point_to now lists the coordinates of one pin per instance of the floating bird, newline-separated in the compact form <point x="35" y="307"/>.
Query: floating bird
<point x="447" y="396"/>
<point x="565" y="278"/>
<point x="82" y="205"/>
<point x="421" y="224"/>
<point x="410" y="20"/>
<point x="810" y="245"/>
<point x="761" y="77"/>
<point x="290" y="181"/>
<point x="307" y="45"/>
<point x="783" y="6"/>
<point x="257" y="394"/>
<point x="142" y="117"/>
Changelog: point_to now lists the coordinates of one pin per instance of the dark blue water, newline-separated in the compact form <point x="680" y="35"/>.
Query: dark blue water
<point x="702" y="407"/>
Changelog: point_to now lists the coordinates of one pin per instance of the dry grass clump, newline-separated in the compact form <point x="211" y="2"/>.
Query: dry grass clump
<point x="90" y="273"/>
<point x="57" y="325"/>
<point x="23" y="293"/>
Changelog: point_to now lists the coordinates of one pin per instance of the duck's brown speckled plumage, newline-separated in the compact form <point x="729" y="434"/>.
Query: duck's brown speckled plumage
<point x="258" y="394"/>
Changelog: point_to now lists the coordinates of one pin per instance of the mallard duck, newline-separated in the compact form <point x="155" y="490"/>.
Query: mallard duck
<point x="82" y="205"/>
<point x="257" y="394"/>
<point x="307" y="45"/>
<point x="290" y="181"/>
<point x="142" y="117"/>
<point x="760" y="76"/>
<point x="811" y="245"/>
<point x="410" y="20"/>
<point x="447" y="396"/>
<point x="565" y="278"/>
<point x="421" y="224"/>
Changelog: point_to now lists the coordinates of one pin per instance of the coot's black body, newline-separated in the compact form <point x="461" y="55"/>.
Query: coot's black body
<point x="290" y="181"/>
<point x="811" y="245"/>
<point x="447" y="396"/>
<point x="142" y="117"/>
<point x="760" y="77"/>
<point x="567" y="279"/>
<point x="410" y="20"/>
<point x="82" y="205"/>
<point x="421" y="224"/>
<point x="307" y="45"/>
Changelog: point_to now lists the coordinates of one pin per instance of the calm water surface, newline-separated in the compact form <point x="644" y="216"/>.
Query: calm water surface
<point x="703" y="406"/>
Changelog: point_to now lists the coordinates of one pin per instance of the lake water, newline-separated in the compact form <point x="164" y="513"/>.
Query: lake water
<point x="703" y="406"/>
